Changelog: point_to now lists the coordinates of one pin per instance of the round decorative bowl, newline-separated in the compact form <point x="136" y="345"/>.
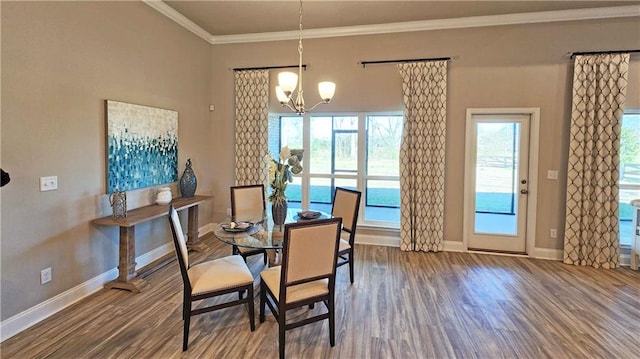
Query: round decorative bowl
<point x="163" y="196"/>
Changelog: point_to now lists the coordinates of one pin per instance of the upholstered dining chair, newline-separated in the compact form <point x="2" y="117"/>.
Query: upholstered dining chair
<point x="346" y="204"/>
<point x="248" y="204"/>
<point x="307" y="275"/>
<point x="209" y="279"/>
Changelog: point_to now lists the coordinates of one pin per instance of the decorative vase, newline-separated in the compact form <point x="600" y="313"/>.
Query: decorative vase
<point x="118" y="204"/>
<point x="188" y="181"/>
<point x="279" y="212"/>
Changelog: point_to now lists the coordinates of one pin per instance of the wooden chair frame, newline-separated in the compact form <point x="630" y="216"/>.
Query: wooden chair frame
<point x="189" y="298"/>
<point x="347" y="255"/>
<point x="279" y="307"/>
<point x="247" y="252"/>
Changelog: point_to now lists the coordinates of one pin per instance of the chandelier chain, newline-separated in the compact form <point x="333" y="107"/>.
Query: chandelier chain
<point x="300" y="28"/>
<point x="299" y="98"/>
<point x="285" y="91"/>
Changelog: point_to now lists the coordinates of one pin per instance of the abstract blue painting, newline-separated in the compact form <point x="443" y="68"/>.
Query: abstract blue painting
<point x="142" y="146"/>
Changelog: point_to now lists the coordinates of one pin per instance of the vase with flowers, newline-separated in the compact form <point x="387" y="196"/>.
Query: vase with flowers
<point x="280" y="175"/>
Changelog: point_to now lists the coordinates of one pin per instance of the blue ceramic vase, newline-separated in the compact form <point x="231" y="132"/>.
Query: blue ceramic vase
<point x="188" y="181"/>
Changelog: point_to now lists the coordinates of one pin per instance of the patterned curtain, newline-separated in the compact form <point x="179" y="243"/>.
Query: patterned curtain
<point x="422" y="155"/>
<point x="591" y="227"/>
<point x="252" y="123"/>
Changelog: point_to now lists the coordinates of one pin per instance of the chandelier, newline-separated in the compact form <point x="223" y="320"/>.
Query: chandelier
<point x="287" y="82"/>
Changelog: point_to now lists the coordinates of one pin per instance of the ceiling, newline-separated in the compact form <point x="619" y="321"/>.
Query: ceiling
<point x="222" y="18"/>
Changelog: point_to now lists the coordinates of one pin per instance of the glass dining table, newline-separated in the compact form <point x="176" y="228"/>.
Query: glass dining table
<point x="258" y="231"/>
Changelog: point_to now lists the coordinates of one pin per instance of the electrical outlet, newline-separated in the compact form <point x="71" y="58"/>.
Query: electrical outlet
<point x="552" y="174"/>
<point x="553" y="233"/>
<point x="48" y="183"/>
<point x="228" y="211"/>
<point x="45" y="275"/>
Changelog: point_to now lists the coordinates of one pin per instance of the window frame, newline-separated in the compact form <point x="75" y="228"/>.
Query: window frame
<point x="626" y="186"/>
<point x="360" y="177"/>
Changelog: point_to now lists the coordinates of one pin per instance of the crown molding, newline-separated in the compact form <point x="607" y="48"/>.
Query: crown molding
<point x="410" y="26"/>
<point x="172" y="14"/>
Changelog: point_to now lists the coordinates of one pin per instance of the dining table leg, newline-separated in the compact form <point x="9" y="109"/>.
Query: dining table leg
<point x="193" y="242"/>
<point x="274" y="256"/>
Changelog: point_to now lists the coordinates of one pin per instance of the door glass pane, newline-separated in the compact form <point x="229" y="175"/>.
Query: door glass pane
<point x="383" y="145"/>
<point x="345" y="152"/>
<point x="497" y="186"/>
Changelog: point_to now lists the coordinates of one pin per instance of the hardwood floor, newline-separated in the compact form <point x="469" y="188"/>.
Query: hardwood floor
<point x="402" y="305"/>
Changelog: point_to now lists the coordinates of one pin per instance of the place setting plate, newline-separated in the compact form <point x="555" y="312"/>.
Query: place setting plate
<point x="236" y="227"/>
<point x="309" y="214"/>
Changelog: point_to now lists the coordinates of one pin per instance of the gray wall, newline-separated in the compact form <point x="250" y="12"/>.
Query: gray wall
<point x="61" y="60"/>
<point x="501" y="66"/>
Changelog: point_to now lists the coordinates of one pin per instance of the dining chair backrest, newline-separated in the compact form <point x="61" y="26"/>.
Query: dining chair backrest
<point x="346" y="204"/>
<point x="247" y="202"/>
<point x="179" y="243"/>
<point x="309" y="251"/>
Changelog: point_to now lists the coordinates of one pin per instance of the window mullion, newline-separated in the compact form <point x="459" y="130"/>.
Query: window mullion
<point x="306" y="144"/>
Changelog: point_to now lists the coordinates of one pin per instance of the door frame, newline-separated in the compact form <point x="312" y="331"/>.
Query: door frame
<point x="469" y="191"/>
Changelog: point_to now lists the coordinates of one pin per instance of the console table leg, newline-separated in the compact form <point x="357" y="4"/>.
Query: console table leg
<point x="127" y="263"/>
<point x="192" y="231"/>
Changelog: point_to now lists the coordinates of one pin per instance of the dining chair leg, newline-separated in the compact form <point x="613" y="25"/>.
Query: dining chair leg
<point x="282" y="323"/>
<point x="185" y="335"/>
<point x="265" y="259"/>
<point x="351" y="265"/>
<point x="263" y="298"/>
<point x="185" y="308"/>
<point x="252" y="315"/>
<point x="332" y="323"/>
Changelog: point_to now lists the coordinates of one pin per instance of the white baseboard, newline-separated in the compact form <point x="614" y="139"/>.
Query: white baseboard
<point x="386" y="241"/>
<point x="392" y="241"/>
<point x="21" y="321"/>
<point x="454" y="246"/>
<point x="546" y="253"/>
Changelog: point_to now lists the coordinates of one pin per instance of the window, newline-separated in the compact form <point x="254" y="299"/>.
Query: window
<point x="357" y="151"/>
<point x="629" y="172"/>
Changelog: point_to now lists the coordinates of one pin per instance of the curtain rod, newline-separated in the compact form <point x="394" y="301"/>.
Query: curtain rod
<point x="268" y="68"/>
<point x="573" y="54"/>
<point x="365" y="63"/>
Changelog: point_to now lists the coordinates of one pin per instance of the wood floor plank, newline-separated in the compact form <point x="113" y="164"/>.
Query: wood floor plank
<point x="402" y="305"/>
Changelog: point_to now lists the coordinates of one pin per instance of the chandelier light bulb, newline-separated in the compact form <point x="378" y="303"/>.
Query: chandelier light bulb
<point x="282" y="98"/>
<point x="287" y="81"/>
<point x="326" y="90"/>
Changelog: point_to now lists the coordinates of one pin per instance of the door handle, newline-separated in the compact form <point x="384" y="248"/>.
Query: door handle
<point x="524" y="191"/>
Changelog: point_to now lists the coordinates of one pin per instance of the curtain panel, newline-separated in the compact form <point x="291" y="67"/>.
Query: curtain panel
<point x="422" y="155"/>
<point x="252" y="126"/>
<point x="591" y="235"/>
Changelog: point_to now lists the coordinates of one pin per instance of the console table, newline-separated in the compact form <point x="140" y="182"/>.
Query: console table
<point x="127" y="278"/>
